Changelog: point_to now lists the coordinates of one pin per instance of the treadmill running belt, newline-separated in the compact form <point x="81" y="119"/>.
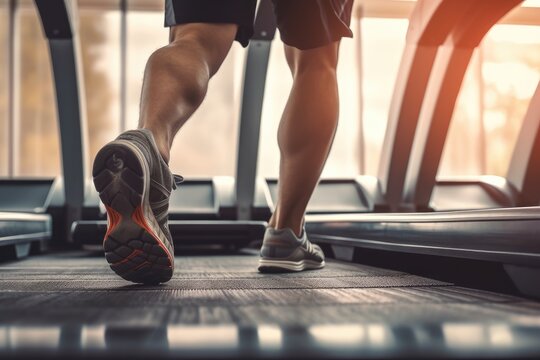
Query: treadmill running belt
<point x="220" y="306"/>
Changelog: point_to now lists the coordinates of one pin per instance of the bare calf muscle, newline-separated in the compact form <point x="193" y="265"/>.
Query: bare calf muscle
<point x="177" y="75"/>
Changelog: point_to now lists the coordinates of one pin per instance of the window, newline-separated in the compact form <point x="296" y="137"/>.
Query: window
<point x="489" y="111"/>
<point x="463" y="152"/>
<point x="206" y="145"/>
<point x="380" y="43"/>
<point x="99" y="31"/>
<point x="494" y="98"/>
<point x="511" y="72"/>
<point x="344" y="157"/>
<point x="145" y="34"/>
<point x="4" y="81"/>
<point x="278" y="83"/>
<point x="383" y="42"/>
<point x="36" y="142"/>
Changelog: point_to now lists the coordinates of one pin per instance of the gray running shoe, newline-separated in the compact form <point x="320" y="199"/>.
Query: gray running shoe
<point x="283" y="251"/>
<point x="134" y="184"/>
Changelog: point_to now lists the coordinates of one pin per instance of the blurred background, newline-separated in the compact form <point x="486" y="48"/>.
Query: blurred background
<point x="118" y="36"/>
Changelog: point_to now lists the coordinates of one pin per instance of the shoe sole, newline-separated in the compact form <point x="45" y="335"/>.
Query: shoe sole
<point x="270" y="266"/>
<point x="132" y="243"/>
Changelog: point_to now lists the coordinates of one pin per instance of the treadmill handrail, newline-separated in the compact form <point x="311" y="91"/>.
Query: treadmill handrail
<point x="504" y="214"/>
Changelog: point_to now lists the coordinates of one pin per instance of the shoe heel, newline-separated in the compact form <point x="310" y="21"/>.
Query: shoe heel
<point x="118" y="171"/>
<point x="130" y="245"/>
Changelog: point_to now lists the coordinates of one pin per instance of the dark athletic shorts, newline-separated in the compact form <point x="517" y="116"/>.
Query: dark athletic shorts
<point x="304" y="24"/>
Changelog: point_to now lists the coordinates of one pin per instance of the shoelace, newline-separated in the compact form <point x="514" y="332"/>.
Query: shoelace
<point x="177" y="180"/>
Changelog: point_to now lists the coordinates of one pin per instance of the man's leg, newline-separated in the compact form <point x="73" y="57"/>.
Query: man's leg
<point x="176" y="78"/>
<point x="306" y="131"/>
<point x="131" y="174"/>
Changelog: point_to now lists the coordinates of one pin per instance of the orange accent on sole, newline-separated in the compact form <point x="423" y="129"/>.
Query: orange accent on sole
<point x="146" y="262"/>
<point x="139" y="219"/>
<point x="131" y="256"/>
<point x="113" y="218"/>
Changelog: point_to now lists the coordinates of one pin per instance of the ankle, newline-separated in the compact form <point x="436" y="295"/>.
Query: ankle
<point x="162" y="142"/>
<point x="165" y="154"/>
<point x="297" y="227"/>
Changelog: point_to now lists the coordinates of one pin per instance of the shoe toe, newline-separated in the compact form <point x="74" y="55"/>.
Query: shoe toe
<point x="318" y="252"/>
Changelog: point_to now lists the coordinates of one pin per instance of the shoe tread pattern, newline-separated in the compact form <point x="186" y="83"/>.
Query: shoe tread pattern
<point x="131" y="250"/>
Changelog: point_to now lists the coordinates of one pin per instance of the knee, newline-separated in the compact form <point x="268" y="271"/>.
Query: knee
<point x="320" y="61"/>
<point x="209" y="41"/>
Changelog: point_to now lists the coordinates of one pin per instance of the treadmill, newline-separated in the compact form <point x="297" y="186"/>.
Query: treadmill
<point x="362" y="304"/>
<point x="24" y="224"/>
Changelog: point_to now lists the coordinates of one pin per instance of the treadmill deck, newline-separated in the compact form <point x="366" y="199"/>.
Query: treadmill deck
<point x="220" y="306"/>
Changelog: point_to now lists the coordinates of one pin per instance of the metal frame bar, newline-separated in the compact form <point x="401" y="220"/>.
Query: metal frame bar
<point x="481" y="105"/>
<point x="123" y="64"/>
<point x="429" y="26"/>
<point x="524" y="169"/>
<point x="252" y="102"/>
<point x="58" y="18"/>
<point x="444" y="84"/>
<point x="10" y="135"/>
<point x="475" y="234"/>
<point x="359" y="54"/>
